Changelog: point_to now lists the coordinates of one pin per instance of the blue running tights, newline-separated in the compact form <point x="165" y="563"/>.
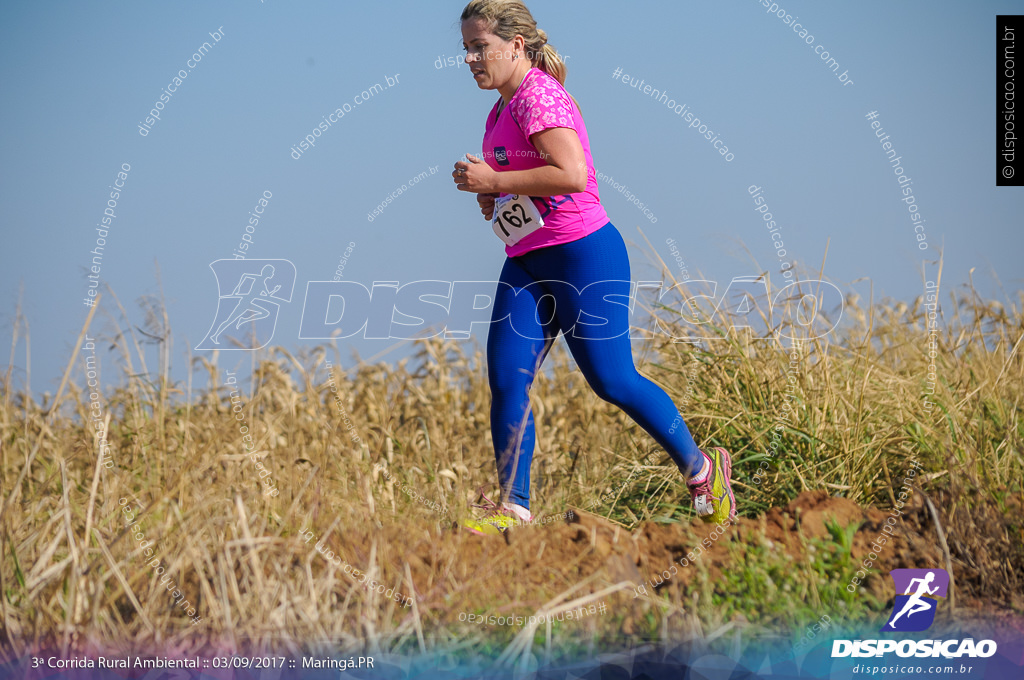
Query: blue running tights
<point x="580" y="289"/>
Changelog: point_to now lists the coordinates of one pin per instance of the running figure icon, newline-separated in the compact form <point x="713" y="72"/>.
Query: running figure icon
<point x="254" y="309"/>
<point x="249" y="311"/>
<point x="918" y="592"/>
<point x="915" y="604"/>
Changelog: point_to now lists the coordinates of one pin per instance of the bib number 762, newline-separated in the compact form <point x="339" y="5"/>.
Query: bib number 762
<point x="515" y="217"/>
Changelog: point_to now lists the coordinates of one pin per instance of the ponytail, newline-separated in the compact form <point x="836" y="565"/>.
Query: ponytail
<point x="547" y="60"/>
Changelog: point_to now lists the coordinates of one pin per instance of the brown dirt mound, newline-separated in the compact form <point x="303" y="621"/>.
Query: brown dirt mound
<point x="529" y="566"/>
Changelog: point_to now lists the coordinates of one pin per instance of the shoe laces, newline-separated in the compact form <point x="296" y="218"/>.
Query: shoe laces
<point x="489" y="506"/>
<point x="493" y="509"/>
<point x="702" y="495"/>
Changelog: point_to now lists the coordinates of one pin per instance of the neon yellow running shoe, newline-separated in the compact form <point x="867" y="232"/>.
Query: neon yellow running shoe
<point x="496" y="519"/>
<point x="713" y="499"/>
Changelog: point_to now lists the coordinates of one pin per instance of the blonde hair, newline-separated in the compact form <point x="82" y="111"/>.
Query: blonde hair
<point x="509" y="18"/>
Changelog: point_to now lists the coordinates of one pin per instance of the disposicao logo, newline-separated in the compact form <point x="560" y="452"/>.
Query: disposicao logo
<point x="949" y="649"/>
<point x="248" y="313"/>
<point x="914" y="608"/>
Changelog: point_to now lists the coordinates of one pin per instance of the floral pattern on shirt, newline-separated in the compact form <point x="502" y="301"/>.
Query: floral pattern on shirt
<point x="542" y="103"/>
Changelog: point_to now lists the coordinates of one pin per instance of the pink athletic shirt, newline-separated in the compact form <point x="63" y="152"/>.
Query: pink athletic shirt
<point x="540" y="103"/>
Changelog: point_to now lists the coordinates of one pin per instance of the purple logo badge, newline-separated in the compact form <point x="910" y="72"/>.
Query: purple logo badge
<point x="916" y="593"/>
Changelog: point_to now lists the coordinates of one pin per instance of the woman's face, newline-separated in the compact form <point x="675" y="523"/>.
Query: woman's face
<point x="489" y="57"/>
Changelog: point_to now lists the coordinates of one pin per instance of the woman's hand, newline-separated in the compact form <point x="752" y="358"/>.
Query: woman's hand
<point x="486" y="203"/>
<point x="475" y="176"/>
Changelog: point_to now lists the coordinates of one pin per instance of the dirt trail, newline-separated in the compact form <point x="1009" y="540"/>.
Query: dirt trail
<point x="533" y="564"/>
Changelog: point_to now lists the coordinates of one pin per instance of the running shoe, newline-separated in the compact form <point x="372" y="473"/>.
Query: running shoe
<point x="497" y="518"/>
<point x="713" y="499"/>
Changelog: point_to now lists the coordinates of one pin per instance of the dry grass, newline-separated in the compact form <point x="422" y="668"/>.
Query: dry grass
<point x="72" y="576"/>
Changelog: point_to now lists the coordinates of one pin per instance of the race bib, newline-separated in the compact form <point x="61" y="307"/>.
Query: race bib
<point x="515" y="217"/>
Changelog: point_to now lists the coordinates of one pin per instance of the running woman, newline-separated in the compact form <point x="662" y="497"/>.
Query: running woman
<point x="538" y="186"/>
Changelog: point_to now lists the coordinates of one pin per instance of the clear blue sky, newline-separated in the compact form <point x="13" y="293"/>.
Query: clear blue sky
<point x="78" y="79"/>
